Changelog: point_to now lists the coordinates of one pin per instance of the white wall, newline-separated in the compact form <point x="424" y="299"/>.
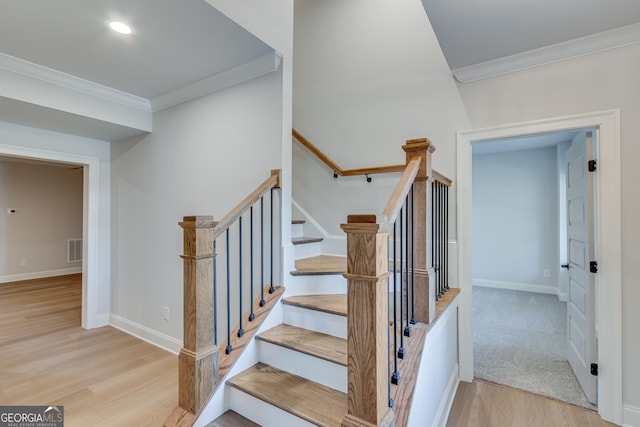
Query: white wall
<point x="594" y="82"/>
<point x="203" y="157"/>
<point x="364" y="83"/>
<point x="515" y="220"/>
<point x="49" y="207"/>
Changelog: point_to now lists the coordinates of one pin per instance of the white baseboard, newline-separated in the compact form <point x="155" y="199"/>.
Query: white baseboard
<point x="156" y="338"/>
<point x="447" y="402"/>
<point x="39" y="274"/>
<point x="515" y="286"/>
<point x="630" y="416"/>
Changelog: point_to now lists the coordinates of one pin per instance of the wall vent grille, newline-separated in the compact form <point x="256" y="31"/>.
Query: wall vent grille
<point x="74" y="250"/>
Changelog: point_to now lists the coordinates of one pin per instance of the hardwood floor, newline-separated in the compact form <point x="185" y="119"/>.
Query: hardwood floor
<point x="484" y="404"/>
<point x="102" y="377"/>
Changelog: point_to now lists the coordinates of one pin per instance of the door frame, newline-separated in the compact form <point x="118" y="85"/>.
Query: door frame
<point x="90" y="223"/>
<point x="608" y="243"/>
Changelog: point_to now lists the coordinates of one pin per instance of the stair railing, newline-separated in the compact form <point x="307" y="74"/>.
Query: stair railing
<point x="224" y="263"/>
<point x="440" y="233"/>
<point x="376" y="328"/>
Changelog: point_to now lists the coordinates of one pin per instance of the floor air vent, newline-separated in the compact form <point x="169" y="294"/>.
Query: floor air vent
<point x="74" y="250"/>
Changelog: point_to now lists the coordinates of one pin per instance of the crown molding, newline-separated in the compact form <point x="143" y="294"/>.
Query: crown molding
<point x="599" y="42"/>
<point x="263" y="64"/>
<point x="29" y="69"/>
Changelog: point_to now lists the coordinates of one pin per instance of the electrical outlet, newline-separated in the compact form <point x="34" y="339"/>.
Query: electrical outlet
<point x="165" y="313"/>
<point x="23" y="262"/>
<point x="546" y="273"/>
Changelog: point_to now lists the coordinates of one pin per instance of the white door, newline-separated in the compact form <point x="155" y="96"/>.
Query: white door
<point x="581" y="351"/>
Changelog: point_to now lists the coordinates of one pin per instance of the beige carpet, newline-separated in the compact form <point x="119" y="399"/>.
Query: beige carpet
<point x="520" y="341"/>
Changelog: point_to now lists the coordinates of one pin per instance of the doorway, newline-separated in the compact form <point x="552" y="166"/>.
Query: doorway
<point x="519" y="304"/>
<point x="608" y="243"/>
<point x="91" y="197"/>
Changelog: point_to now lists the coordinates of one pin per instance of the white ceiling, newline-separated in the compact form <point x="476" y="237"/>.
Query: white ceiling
<point x="472" y="32"/>
<point x="179" y="43"/>
<point x="174" y="42"/>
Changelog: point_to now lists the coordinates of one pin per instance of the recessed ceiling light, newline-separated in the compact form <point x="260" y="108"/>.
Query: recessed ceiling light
<point x="120" y="27"/>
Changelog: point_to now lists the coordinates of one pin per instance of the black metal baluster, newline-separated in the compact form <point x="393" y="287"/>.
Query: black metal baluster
<point x="401" y="350"/>
<point x="390" y="400"/>
<point x="405" y="302"/>
<point x="433" y="235"/>
<point x="413" y="252"/>
<point x="215" y="296"/>
<point x="395" y="377"/>
<point x="240" y="328"/>
<point x="441" y="239"/>
<point x="446" y="238"/>
<point x="262" y="301"/>
<point x="272" y="289"/>
<point x="252" y="315"/>
<point x="228" y="349"/>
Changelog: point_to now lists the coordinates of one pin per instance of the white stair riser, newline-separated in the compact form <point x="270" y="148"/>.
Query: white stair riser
<point x="306" y="250"/>
<point x="297" y="230"/>
<point x="310" y="367"/>
<point x="317" y="285"/>
<point x="260" y="412"/>
<point x="316" y="321"/>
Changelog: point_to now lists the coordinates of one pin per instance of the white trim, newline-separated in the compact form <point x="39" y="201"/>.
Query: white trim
<point x="442" y="415"/>
<point x="149" y="335"/>
<point x="39" y="274"/>
<point x="608" y="240"/>
<point x="515" y="286"/>
<point x="29" y="69"/>
<point x="605" y="40"/>
<point x="91" y="199"/>
<point x="631" y="416"/>
<point x="263" y="64"/>
<point x="333" y="243"/>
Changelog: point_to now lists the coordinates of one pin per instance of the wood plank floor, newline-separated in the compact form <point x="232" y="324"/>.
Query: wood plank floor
<point x="483" y="403"/>
<point x="102" y="377"/>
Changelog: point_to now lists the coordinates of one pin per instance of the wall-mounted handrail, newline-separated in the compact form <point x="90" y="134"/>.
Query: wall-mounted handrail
<point x="337" y="169"/>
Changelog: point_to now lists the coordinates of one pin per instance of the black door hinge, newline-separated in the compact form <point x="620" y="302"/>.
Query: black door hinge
<point x="591" y="165"/>
<point x="593" y="266"/>
<point x="594" y="369"/>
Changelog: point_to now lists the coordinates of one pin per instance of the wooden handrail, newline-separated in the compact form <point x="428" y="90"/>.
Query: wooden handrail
<point x="337" y="169"/>
<point x="441" y="178"/>
<point x="272" y="182"/>
<point x="397" y="198"/>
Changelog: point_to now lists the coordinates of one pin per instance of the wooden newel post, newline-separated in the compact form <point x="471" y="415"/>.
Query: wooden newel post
<point x="368" y="323"/>
<point x="198" y="359"/>
<point x="424" y="285"/>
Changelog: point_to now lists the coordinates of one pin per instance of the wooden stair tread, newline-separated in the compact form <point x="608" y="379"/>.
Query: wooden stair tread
<point x="298" y="221"/>
<point x="329" y="303"/>
<point x="313" y="402"/>
<point x="232" y="419"/>
<point x="317" y="344"/>
<point x="321" y="264"/>
<point x="303" y="240"/>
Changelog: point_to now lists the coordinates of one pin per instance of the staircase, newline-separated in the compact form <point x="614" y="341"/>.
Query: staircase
<point x="297" y="371"/>
<point x="301" y="378"/>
